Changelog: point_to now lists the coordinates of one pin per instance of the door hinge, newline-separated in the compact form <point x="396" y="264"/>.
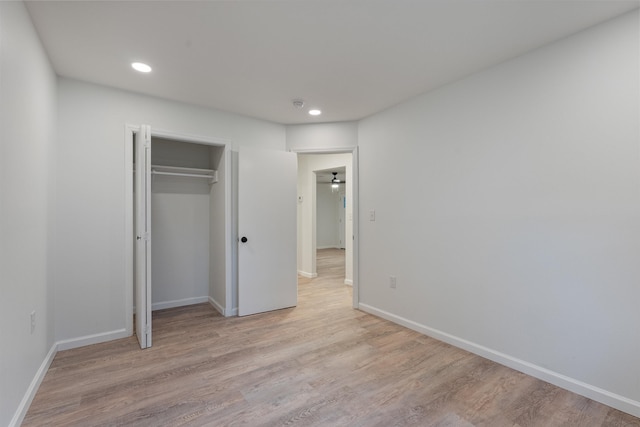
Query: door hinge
<point x="144" y="236"/>
<point x="147" y="329"/>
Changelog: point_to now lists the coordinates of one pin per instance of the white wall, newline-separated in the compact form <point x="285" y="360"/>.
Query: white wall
<point x="27" y="139"/>
<point x="307" y="239"/>
<point x="89" y="210"/>
<point x="325" y="136"/>
<point x="512" y="221"/>
<point x="327" y="218"/>
<point x="180" y="244"/>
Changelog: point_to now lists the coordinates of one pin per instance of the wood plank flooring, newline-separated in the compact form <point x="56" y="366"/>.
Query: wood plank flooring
<point x="319" y="364"/>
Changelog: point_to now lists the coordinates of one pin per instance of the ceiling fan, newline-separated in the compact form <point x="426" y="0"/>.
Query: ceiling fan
<point x="335" y="183"/>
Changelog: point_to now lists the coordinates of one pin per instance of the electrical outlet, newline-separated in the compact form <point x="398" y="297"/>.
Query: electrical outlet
<point x="33" y="321"/>
<point x="392" y="282"/>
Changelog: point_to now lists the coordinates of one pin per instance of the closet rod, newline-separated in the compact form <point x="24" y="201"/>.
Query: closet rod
<point x="191" y="175"/>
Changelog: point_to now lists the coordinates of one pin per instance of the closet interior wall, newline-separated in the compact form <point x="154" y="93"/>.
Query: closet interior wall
<point x="181" y="223"/>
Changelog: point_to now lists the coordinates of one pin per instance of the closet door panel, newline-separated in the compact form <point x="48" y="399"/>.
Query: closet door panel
<point x="143" y="235"/>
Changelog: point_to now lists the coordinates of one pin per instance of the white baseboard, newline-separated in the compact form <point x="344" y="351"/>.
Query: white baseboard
<point x="329" y="247"/>
<point x="348" y="282"/>
<point x="178" y="303"/>
<point x="21" y="412"/>
<point x="92" y="339"/>
<point x="217" y="306"/>
<point x="309" y="275"/>
<point x="587" y="390"/>
<point x="221" y="310"/>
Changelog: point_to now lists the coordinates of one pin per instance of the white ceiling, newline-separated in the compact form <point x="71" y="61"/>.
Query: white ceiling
<point x="349" y="58"/>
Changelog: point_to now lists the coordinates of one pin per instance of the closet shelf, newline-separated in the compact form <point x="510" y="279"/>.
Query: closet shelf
<point x="210" y="174"/>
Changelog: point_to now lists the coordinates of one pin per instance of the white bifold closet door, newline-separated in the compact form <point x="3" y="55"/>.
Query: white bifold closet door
<point x="267" y="227"/>
<point x="142" y="276"/>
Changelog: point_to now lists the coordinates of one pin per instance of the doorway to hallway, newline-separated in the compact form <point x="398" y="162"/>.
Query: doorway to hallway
<point x="323" y="222"/>
<point x="330" y="278"/>
<point x="330" y="263"/>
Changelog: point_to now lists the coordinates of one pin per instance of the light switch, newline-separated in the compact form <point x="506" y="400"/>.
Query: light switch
<point x="372" y="215"/>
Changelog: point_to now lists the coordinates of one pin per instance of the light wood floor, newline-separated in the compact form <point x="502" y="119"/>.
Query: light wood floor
<point x="319" y="364"/>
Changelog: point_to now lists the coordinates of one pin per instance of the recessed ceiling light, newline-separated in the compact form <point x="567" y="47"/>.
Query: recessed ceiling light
<point x="139" y="66"/>
<point x="315" y="112"/>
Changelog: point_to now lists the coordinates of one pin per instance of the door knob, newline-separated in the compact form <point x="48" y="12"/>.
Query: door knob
<point x="244" y="239"/>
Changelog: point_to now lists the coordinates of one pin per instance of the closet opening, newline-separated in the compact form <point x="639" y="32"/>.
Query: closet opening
<point x="183" y="176"/>
<point x="187" y="242"/>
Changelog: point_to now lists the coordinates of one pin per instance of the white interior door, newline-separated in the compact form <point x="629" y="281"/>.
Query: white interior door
<point x="143" y="235"/>
<point x="267" y="227"/>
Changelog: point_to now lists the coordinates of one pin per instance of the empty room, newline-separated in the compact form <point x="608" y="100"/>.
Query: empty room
<point x="320" y="213"/>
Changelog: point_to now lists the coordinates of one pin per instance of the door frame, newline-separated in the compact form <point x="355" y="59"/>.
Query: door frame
<point x="355" y="212"/>
<point x="130" y="131"/>
<point x="342" y="216"/>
